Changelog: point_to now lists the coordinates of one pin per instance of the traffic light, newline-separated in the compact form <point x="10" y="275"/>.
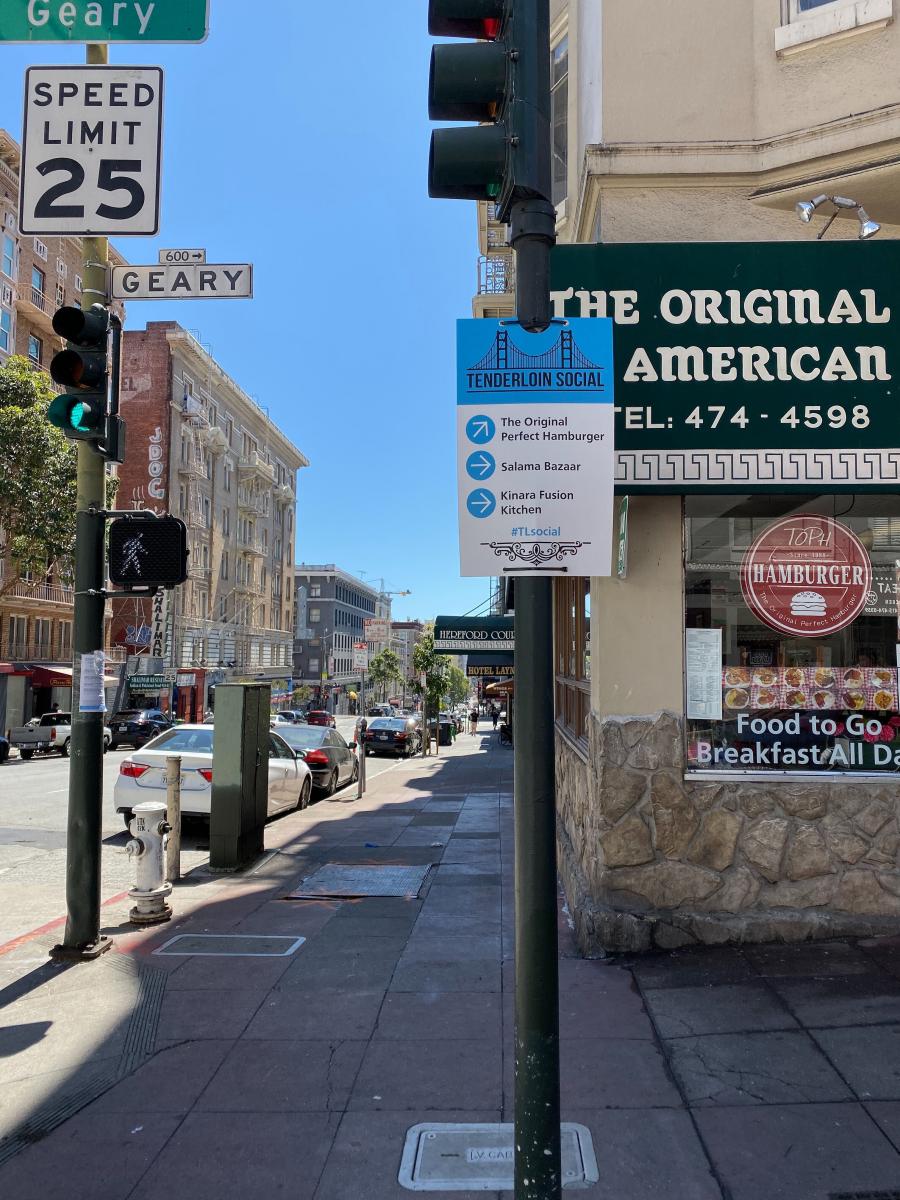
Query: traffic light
<point x="502" y="80"/>
<point x="146" y="553"/>
<point x="84" y="411"/>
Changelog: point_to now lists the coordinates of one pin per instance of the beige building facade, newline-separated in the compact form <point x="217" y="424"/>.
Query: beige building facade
<point x="200" y="448"/>
<point x="698" y="122"/>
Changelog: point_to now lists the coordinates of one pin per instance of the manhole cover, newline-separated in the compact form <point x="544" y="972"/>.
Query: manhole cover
<point x="232" y="945"/>
<point x="469" y="1158"/>
<point x="339" y="880"/>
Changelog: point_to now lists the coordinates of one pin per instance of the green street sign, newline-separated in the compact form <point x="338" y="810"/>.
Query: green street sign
<point x="104" y="20"/>
<point x="747" y="366"/>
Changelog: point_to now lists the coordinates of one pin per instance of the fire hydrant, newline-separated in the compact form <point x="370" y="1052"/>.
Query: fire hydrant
<point x="147" y="847"/>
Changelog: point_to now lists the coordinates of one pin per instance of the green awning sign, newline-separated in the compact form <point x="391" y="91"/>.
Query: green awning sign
<point x="746" y="366"/>
<point x="459" y="635"/>
<point x="104" y="20"/>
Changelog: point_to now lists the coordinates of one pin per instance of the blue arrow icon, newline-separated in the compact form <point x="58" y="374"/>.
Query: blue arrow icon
<point x="481" y="502"/>
<point x="481" y="465"/>
<point x="480" y="429"/>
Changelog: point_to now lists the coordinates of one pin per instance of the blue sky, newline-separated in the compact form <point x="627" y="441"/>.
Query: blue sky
<point x="301" y="145"/>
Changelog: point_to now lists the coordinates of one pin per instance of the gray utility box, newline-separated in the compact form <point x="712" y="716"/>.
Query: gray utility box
<point x="240" y="783"/>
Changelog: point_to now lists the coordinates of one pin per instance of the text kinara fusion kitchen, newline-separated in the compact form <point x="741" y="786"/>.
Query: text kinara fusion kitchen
<point x="791" y="615"/>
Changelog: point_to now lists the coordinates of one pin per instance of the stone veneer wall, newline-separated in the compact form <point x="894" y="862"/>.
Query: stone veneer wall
<point x="649" y="859"/>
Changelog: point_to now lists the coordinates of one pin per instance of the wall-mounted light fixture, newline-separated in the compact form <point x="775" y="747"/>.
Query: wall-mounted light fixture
<point x="806" y="210"/>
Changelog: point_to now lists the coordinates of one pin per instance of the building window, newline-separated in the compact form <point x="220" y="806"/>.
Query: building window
<point x="224" y="568"/>
<point x="9" y="256"/>
<point x="42" y="630"/>
<point x="315" y="590"/>
<point x="38" y="280"/>
<point x="65" y="638"/>
<point x="226" y="522"/>
<point x="572" y="642"/>
<point x="60" y="295"/>
<point x="806" y="22"/>
<point x="79" y="285"/>
<point x="559" y="111"/>
<point x="35" y="349"/>
<point x="315" y="615"/>
<point x="5" y="329"/>
<point x="791" y="634"/>
<point x="313" y="666"/>
<point x="40" y="249"/>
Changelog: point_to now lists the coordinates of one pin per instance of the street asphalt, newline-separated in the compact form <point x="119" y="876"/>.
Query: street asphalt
<point x="755" y="1073"/>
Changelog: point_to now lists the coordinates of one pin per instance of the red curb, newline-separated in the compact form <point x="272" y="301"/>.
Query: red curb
<point x="23" y="938"/>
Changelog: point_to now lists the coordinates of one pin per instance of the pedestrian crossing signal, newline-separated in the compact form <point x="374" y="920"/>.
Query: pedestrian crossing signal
<point x="147" y="553"/>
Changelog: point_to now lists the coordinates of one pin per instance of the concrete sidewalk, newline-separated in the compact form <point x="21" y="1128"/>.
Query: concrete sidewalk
<point x="714" y="1075"/>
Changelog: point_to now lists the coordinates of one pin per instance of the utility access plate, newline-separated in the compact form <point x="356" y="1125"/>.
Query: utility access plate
<point x="473" y="1158"/>
<point x="341" y="881"/>
<point x="232" y="945"/>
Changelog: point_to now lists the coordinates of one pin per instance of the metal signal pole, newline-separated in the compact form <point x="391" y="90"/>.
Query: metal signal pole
<point x="82" y="939"/>
<point x="538" y="1170"/>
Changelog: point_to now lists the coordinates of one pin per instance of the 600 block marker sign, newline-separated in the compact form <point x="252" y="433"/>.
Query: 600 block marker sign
<point x="91" y="151"/>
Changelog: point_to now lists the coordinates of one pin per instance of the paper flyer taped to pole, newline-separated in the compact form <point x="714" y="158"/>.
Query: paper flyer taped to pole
<point x="91" y="697"/>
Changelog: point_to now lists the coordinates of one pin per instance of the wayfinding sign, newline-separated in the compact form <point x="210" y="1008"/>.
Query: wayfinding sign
<point x="184" y="281"/>
<point x="104" y="20"/>
<point x="91" y="151"/>
<point x="360" y="656"/>
<point x="535" y="449"/>
<point x="747" y="367"/>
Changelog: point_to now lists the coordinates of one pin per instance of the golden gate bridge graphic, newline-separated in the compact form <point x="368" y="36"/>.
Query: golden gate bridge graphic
<point x="564" y="355"/>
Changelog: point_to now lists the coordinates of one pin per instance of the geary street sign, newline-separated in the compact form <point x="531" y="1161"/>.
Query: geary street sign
<point x="747" y="367"/>
<point x="184" y="281"/>
<point x="91" y="151"/>
<point x="535" y="452"/>
<point x="104" y="20"/>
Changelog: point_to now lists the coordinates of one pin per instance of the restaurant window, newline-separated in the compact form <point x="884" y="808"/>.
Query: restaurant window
<point x="572" y="617"/>
<point x="791" y="646"/>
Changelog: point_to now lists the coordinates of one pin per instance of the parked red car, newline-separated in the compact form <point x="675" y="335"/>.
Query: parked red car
<point x="320" y="717"/>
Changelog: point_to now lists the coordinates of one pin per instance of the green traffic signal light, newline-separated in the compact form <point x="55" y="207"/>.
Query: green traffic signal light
<point x="78" y="416"/>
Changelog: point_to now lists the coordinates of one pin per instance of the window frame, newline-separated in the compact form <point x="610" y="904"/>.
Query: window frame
<point x="571" y="656"/>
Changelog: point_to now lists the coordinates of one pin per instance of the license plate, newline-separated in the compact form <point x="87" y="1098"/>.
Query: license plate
<point x="382" y="737"/>
<point x="123" y="729"/>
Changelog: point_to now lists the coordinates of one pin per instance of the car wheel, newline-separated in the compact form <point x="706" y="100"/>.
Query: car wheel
<point x="331" y="787"/>
<point x="64" y="749"/>
<point x="105" y="746"/>
<point x="354" y="774"/>
<point x="305" y="793"/>
<point x="26" y="754"/>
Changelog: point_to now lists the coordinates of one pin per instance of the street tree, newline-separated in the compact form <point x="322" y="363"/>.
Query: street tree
<point x="37" y="479"/>
<point x="384" y="669"/>
<point x="435" y="667"/>
<point x="457" y="686"/>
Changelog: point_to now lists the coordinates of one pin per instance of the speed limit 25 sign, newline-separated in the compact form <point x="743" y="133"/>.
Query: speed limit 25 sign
<point x="91" y="151"/>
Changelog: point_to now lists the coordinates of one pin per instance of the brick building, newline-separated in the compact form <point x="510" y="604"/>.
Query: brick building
<point x="36" y="277"/>
<point x="200" y="448"/>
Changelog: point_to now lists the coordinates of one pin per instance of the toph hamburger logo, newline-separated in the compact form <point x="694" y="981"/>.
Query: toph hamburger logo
<point x="806" y="575"/>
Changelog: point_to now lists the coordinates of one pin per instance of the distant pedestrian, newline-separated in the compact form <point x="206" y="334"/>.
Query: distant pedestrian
<point x="473" y="722"/>
<point x="495" y="716"/>
<point x="54" y="708"/>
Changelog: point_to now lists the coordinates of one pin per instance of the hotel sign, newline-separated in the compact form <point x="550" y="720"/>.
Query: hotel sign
<point x="747" y="366"/>
<point x="461" y="635"/>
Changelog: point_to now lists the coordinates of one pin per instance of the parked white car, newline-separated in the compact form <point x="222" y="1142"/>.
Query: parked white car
<point x="142" y="775"/>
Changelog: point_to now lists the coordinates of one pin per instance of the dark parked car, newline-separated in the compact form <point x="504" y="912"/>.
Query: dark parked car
<point x="4" y="749"/>
<point x="136" y="726"/>
<point x="393" y="735"/>
<point x="318" y="716"/>
<point x="332" y="762"/>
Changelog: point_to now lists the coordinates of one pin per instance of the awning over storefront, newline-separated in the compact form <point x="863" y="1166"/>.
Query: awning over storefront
<point x="43" y="677"/>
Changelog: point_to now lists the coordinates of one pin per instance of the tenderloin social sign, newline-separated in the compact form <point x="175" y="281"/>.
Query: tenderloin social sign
<point x="747" y="366"/>
<point x="535" y="448"/>
<point x="806" y="575"/>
